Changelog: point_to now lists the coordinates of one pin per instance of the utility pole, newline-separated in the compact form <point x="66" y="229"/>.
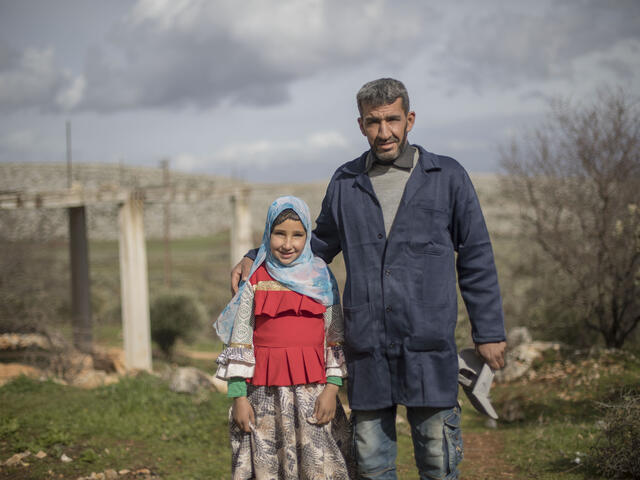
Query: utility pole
<point x="82" y="325"/>
<point x="166" y="224"/>
<point x="69" y="170"/>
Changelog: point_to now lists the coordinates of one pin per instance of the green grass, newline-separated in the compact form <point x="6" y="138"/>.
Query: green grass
<point x="137" y="423"/>
<point x="559" y="414"/>
<point x="140" y="423"/>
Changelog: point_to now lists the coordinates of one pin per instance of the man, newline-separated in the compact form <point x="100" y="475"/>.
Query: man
<point x="399" y="214"/>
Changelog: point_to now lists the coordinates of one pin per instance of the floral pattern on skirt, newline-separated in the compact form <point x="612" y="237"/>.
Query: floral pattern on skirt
<point x="284" y="444"/>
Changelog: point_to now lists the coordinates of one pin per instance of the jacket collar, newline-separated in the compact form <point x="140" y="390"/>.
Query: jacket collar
<point x="428" y="161"/>
<point x="405" y="160"/>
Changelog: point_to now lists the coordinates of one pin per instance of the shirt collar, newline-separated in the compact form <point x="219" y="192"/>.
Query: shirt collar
<point x="405" y="160"/>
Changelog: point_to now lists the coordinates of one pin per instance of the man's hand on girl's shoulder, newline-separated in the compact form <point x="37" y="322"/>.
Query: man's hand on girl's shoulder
<point x="240" y="273"/>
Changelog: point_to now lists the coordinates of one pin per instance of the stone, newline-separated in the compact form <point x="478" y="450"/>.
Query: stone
<point x="65" y="458"/>
<point x="16" y="460"/>
<point x="89" y="379"/>
<point x="79" y="362"/>
<point x="41" y="454"/>
<point x="21" y="341"/>
<point x="518" y="360"/>
<point x="110" y="360"/>
<point x="9" y="371"/>
<point x="517" y="336"/>
<point x="124" y="471"/>
<point x="111" y="378"/>
<point x="110" y="474"/>
<point x="189" y="380"/>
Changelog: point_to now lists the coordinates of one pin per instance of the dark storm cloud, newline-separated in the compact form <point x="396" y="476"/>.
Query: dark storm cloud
<point x="202" y="53"/>
<point x="516" y="43"/>
<point x="33" y="79"/>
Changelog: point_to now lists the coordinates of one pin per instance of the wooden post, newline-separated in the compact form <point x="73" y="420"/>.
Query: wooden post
<point x="80" y="283"/>
<point x="241" y="240"/>
<point x="134" y="286"/>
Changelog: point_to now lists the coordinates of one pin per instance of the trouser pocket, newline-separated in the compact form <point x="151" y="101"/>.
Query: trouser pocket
<point x="453" y="441"/>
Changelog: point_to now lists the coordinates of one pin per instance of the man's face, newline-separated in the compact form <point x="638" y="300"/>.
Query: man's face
<point x="386" y="128"/>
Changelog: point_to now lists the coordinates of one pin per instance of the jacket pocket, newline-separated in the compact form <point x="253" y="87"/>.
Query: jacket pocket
<point x="431" y="328"/>
<point x="429" y="231"/>
<point x="358" y="328"/>
<point x="433" y="278"/>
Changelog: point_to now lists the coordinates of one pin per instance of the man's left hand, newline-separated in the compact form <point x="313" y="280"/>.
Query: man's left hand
<point x="492" y="353"/>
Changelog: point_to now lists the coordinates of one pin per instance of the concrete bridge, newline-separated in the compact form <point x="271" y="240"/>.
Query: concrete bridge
<point x="132" y="250"/>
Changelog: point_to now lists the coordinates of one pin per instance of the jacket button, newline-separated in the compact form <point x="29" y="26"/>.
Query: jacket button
<point x="391" y="345"/>
<point x="380" y="236"/>
<point x="388" y="309"/>
<point x="387" y="273"/>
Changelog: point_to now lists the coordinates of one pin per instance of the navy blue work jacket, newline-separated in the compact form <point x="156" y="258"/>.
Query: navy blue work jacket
<point x="399" y="300"/>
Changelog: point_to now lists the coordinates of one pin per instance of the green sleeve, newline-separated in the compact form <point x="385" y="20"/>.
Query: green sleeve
<point x="236" y="387"/>
<point x="335" y="380"/>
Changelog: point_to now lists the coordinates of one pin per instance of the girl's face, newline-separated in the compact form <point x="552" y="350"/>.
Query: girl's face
<point x="287" y="241"/>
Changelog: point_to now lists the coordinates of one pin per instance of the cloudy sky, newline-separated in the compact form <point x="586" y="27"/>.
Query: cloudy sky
<point x="265" y="89"/>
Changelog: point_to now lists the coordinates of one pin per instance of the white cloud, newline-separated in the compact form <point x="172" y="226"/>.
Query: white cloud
<point x="187" y="162"/>
<point x="327" y="139"/>
<point x="263" y="153"/>
<point x="532" y="42"/>
<point x="200" y="54"/>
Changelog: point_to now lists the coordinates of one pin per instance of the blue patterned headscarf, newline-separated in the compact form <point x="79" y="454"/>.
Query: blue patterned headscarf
<point x="307" y="275"/>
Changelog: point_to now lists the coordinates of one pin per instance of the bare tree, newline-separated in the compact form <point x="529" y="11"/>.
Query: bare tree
<point x="577" y="181"/>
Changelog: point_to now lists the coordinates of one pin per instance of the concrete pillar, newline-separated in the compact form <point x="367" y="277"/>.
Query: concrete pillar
<point x="80" y="281"/>
<point x="134" y="286"/>
<point x="241" y="238"/>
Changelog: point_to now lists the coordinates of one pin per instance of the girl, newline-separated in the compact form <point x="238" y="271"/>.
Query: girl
<point x="284" y="361"/>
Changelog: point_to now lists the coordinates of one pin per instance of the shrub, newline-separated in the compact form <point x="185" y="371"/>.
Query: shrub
<point x="615" y="453"/>
<point x="173" y="316"/>
<point x="576" y="180"/>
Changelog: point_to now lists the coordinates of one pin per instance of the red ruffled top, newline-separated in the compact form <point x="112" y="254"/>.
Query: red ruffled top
<point x="288" y="338"/>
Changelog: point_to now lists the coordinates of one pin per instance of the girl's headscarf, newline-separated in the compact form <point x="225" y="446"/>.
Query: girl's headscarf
<point x="307" y="275"/>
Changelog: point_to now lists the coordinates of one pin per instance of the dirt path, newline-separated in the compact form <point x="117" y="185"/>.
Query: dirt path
<point x="484" y="458"/>
<point x="197" y="355"/>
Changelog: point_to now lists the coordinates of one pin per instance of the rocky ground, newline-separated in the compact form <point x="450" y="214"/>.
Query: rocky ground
<point x="484" y="458"/>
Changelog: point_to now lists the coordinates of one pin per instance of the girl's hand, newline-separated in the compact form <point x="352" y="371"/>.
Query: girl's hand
<point x="325" y="408"/>
<point x="242" y="413"/>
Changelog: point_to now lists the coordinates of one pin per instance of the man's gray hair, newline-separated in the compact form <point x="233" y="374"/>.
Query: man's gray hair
<point x="383" y="91"/>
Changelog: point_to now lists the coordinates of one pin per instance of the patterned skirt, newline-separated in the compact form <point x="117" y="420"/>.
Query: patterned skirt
<point x="284" y="444"/>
